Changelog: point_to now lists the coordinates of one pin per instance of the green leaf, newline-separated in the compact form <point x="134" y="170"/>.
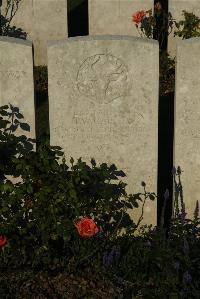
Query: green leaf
<point x="4" y="113"/>
<point x="128" y="205"/>
<point x="8" y="187"/>
<point x="3" y="123"/>
<point x="4" y="107"/>
<point x="29" y="189"/>
<point x="113" y="167"/>
<point x="151" y="197"/>
<point x="19" y="115"/>
<point x="71" y="160"/>
<point x="120" y="173"/>
<point x="13" y="128"/>
<point x="5" y="209"/>
<point x="25" y="127"/>
<point x="15" y="110"/>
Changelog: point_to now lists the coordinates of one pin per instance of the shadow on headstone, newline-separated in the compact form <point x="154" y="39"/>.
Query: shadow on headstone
<point x="11" y="31"/>
<point x="6" y="29"/>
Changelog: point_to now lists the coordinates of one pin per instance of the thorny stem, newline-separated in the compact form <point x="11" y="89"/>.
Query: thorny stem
<point x="141" y="216"/>
<point x="180" y="185"/>
<point x="139" y="32"/>
<point x="176" y="194"/>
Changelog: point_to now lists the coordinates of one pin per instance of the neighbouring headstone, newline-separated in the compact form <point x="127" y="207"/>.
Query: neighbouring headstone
<point x="42" y="20"/>
<point x="187" y="119"/>
<point x="176" y="8"/>
<point x="16" y="79"/>
<point x="115" y="16"/>
<point x="103" y="104"/>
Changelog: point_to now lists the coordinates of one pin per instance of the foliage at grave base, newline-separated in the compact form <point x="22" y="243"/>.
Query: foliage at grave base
<point x="89" y="284"/>
<point x="46" y="251"/>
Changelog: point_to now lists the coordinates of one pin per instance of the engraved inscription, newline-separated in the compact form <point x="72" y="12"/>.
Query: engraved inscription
<point x="103" y="78"/>
<point x="98" y="127"/>
<point x="14" y="74"/>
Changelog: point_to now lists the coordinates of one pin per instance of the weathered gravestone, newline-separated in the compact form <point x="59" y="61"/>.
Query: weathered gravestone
<point x="42" y="20"/>
<point x="115" y="16"/>
<point x="187" y="121"/>
<point x="16" y="79"/>
<point x="176" y="7"/>
<point x="103" y="103"/>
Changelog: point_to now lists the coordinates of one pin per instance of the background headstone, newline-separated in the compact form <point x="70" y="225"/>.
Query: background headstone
<point x="176" y="7"/>
<point x="16" y="79"/>
<point x="187" y="119"/>
<point x="115" y="16"/>
<point x="103" y="104"/>
<point x="42" y="20"/>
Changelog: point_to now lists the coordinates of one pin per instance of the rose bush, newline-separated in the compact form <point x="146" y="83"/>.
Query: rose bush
<point x="40" y="216"/>
<point x="37" y="214"/>
<point x="147" y="23"/>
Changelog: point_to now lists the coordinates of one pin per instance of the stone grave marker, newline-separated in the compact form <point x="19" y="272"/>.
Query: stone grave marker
<point x="115" y="16"/>
<point x="16" y="79"/>
<point x="187" y="119"/>
<point x="103" y="104"/>
<point x="42" y="20"/>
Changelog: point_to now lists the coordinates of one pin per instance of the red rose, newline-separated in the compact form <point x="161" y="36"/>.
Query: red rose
<point x="87" y="227"/>
<point x="138" y="15"/>
<point x="3" y="241"/>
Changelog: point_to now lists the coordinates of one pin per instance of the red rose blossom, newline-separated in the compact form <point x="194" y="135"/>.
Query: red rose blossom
<point x="87" y="227"/>
<point x="138" y="15"/>
<point x="3" y="241"/>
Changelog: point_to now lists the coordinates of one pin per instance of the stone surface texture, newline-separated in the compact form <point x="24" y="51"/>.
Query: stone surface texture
<point x="42" y="20"/>
<point x="176" y="7"/>
<point x="115" y="16"/>
<point x="187" y="119"/>
<point x="16" y="79"/>
<point x="103" y="104"/>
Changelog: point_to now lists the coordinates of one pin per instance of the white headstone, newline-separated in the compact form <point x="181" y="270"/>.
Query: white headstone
<point x="103" y="103"/>
<point x="16" y="79"/>
<point x="42" y="20"/>
<point x="115" y="16"/>
<point x="187" y="120"/>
